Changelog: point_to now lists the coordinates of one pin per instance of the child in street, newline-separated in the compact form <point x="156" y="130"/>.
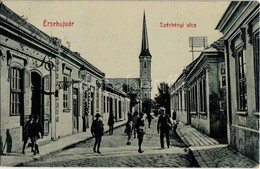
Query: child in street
<point x="128" y="131"/>
<point x="97" y="130"/>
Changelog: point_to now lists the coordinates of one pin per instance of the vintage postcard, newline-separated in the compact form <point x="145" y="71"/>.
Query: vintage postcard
<point x="129" y="83"/>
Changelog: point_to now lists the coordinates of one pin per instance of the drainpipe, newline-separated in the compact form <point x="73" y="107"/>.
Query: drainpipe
<point x="228" y="100"/>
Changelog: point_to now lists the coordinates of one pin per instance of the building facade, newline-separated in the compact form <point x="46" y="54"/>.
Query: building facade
<point x="240" y="27"/>
<point x="198" y="95"/>
<point x="205" y="94"/>
<point x="42" y="77"/>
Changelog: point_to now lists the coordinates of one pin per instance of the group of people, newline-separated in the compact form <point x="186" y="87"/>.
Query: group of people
<point x="135" y="124"/>
<point x="32" y="131"/>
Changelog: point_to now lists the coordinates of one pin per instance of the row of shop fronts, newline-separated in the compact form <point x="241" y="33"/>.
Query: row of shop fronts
<point x="218" y="93"/>
<point x="42" y="77"/>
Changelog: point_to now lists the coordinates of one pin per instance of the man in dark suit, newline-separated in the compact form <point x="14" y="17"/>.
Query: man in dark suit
<point x="164" y="126"/>
<point x="28" y="131"/>
<point x="97" y="130"/>
<point x="140" y="128"/>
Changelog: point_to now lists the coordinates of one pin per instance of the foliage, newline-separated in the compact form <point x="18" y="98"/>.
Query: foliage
<point x="162" y="99"/>
<point x="147" y="105"/>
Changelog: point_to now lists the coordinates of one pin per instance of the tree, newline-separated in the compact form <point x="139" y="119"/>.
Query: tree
<point x="163" y="97"/>
<point x="147" y="105"/>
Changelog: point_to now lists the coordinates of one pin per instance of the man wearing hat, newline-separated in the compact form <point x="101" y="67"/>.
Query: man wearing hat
<point x="97" y="130"/>
<point x="140" y="128"/>
<point x="28" y="131"/>
<point x="164" y="125"/>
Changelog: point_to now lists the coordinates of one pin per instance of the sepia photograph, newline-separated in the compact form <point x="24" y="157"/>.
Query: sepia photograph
<point x="121" y="83"/>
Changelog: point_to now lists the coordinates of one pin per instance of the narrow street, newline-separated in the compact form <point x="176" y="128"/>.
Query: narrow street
<point x="115" y="153"/>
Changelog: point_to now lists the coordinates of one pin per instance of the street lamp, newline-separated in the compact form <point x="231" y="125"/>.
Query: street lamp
<point x="83" y="72"/>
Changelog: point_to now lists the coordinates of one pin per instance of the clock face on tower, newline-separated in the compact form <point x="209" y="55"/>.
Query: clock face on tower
<point x="146" y="83"/>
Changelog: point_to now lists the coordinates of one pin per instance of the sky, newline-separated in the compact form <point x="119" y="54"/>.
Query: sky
<point x="108" y="34"/>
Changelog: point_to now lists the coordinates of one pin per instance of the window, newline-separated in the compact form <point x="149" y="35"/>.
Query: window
<point x="65" y="92"/>
<point x="256" y="72"/>
<point x="241" y="81"/>
<point x="194" y="98"/>
<point x="85" y="102"/>
<point x="107" y="104"/>
<point x="145" y="65"/>
<point x="104" y="104"/>
<point x="97" y="99"/>
<point x="180" y="98"/>
<point x="202" y="92"/>
<point x="185" y="100"/>
<point x="16" y="91"/>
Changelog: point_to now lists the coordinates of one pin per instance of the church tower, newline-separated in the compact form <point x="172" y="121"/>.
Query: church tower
<point x="145" y="59"/>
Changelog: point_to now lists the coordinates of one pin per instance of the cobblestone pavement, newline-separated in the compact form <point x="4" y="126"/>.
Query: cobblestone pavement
<point x="115" y="153"/>
<point x="211" y="154"/>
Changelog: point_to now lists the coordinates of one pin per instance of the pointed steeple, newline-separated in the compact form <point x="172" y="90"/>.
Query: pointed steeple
<point x="145" y="46"/>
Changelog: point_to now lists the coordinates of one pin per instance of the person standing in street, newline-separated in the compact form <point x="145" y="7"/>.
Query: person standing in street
<point x="28" y="133"/>
<point x="149" y="118"/>
<point x="97" y="130"/>
<point x="111" y="121"/>
<point x="164" y="126"/>
<point x="129" y="116"/>
<point x="128" y="131"/>
<point x="135" y="117"/>
<point x="140" y="127"/>
<point x="37" y="134"/>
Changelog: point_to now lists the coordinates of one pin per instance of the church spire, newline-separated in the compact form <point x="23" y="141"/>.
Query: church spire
<point x="145" y="46"/>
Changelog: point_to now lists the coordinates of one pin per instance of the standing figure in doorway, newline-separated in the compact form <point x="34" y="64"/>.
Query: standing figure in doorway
<point x="140" y="128"/>
<point x="164" y="126"/>
<point x="111" y="121"/>
<point x="97" y="130"/>
<point x="28" y="133"/>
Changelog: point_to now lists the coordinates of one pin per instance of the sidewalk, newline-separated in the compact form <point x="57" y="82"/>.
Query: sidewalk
<point x="18" y="159"/>
<point x="211" y="154"/>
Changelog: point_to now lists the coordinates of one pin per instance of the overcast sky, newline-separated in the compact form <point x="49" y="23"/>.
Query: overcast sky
<point x="108" y="33"/>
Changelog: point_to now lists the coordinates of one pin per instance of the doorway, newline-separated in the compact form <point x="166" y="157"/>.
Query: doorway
<point x="37" y="97"/>
<point x="75" y="117"/>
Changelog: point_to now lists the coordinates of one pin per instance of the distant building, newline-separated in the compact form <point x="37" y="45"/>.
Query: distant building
<point x="198" y="95"/>
<point x="142" y="85"/>
<point x="240" y="27"/>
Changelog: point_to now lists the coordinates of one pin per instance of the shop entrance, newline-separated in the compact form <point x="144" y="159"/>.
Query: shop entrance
<point x="37" y="97"/>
